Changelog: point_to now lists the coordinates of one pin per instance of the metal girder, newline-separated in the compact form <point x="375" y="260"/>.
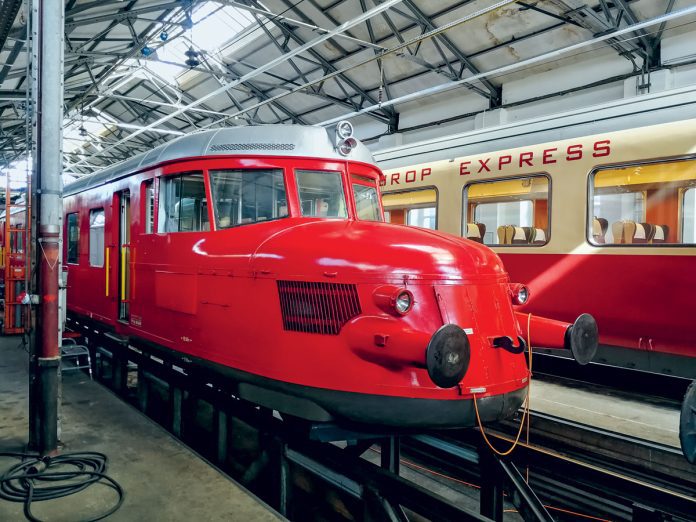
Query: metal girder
<point x="387" y="116"/>
<point x="588" y="18"/>
<point x="271" y="64"/>
<point x="494" y="93"/>
<point x="120" y="17"/>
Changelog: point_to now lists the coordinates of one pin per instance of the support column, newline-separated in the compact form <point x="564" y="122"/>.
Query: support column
<point x="48" y="21"/>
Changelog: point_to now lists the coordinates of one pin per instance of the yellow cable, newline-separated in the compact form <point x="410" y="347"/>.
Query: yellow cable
<point x="525" y="413"/>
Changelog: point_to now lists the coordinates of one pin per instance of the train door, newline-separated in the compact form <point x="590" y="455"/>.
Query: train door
<point x="124" y="236"/>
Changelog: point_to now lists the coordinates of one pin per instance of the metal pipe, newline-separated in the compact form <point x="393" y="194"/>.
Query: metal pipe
<point x="48" y="98"/>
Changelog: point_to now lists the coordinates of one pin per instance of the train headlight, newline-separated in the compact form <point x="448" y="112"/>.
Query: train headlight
<point x="395" y="300"/>
<point x="344" y="129"/>
<point x="403" y="302"/>
<point x="519" y="294"/>
<point x="346" y="146"/>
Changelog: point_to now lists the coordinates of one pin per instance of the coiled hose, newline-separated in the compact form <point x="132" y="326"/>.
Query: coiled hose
<point x="33" y="480"/>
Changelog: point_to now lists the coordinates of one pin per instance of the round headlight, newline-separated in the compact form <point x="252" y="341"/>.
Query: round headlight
<point x="344" y="129"/>
<point x="520" y="294"/>
<point x="347" y="145"/>
<point x="403" y="302"/>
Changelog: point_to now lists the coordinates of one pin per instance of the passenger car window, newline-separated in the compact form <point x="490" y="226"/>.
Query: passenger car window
<point x="321" y="193"/>
<point x="96" y="237"/>
<point x="247" y="196"/>
<point x="415" y="207"/>
<point x="508" y="212"/>
<point x="182" y="204"/>
<point x="643" y="204"/>
<point x="73" y="239"/>
<point x="366" y="202"/>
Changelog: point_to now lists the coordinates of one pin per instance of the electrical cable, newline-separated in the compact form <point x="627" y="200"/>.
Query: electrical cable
<point x="525" y="412"/>
<point x="22" y="482"/>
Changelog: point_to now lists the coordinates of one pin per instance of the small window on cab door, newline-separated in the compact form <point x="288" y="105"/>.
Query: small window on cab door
<point x="148" y="192"/>
<point x="96" y="237"/>
<point x="73" y="226"/>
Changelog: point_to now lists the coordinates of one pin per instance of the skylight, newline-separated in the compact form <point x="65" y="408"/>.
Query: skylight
<point x="213" y="27"/>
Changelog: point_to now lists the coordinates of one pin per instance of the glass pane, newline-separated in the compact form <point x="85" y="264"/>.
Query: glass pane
<point x="149" y="207"/>
<point x="644" y="204"/>
<point x="422" y="217"/>
<point x="183" y="206"/>
<point x="508" y="212"/>
<point x="247" y="196"/>
<point x="96" y="238"/>
<point x="689" y="216"/>
<point x="73" y="238"/>
<point x="321" y="193"/>
<point x="366" y="202"/>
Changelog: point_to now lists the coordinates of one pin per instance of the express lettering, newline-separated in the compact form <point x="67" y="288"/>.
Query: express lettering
<point x="504" y="162"/>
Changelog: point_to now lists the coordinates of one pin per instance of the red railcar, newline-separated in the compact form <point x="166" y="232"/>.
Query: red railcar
<point x="261" y="253"/>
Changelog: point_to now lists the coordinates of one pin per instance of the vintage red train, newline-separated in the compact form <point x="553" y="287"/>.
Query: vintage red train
<point x="262" y="253"/>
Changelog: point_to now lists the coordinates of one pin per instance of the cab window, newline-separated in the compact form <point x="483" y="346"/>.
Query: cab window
<point x="321" y="193"/>
<point x="508" y="212"/>
<point x="183" y="206"/>
<point x="643" y="204"/>
<point x="415" y="207"/>
<point x="366" y="202"/>
<point x="242" y="197"/>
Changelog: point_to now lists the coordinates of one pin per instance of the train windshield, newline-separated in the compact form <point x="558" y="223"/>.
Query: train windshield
<point x="247" y="196"/>
<point x="366" y="202"/>
<point x="321" y="193"/>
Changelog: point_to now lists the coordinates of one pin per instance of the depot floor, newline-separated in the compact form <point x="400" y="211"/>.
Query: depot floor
<point x="162" y="479"/>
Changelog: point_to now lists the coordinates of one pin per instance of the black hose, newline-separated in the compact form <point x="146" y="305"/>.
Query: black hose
<point x="22" y="482"/>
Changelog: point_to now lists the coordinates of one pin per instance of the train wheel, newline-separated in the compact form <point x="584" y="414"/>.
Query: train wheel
<point x="687" y="424"/>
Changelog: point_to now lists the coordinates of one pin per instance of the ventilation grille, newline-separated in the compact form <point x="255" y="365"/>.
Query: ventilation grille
<point x="321" y="308"/>
<point x="251" y="146"/>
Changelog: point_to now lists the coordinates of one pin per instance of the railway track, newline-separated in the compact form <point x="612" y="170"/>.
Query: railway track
<point x="638" y="382"/>
<point x="571" y="469"/>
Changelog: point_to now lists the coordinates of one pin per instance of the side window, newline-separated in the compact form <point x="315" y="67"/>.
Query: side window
<point x="182" y="204"/>
<point x="148" y="195"/>
<point x="247" y="196"/>
<point x="96" y="237"/>
<point x="643" y="204"/>
<point x="415" y="207"/>
<point x="321" y="193"/>
<point x="508" y="212"/>
<point x="73" y="238"/>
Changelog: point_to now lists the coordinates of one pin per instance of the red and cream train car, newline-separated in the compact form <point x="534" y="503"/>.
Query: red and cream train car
<point x="603" y="223"/>
<point x="261" y="253"/>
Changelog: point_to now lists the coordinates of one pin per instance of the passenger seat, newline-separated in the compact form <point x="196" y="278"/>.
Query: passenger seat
<point x="599" y="230"/>
<point x="539" y="236"/>
<point x="475" y="232"/>
<point x="661" y="234"/>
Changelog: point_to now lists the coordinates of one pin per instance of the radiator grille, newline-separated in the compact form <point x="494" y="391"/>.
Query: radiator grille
<point x="321" y="308"/>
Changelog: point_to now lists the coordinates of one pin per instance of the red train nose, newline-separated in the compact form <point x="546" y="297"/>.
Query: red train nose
<point x="447" y="356"/>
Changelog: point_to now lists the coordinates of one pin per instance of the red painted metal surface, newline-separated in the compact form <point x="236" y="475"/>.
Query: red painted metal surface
<point x="235" y="296"/>
<point x="597" y="283"/>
